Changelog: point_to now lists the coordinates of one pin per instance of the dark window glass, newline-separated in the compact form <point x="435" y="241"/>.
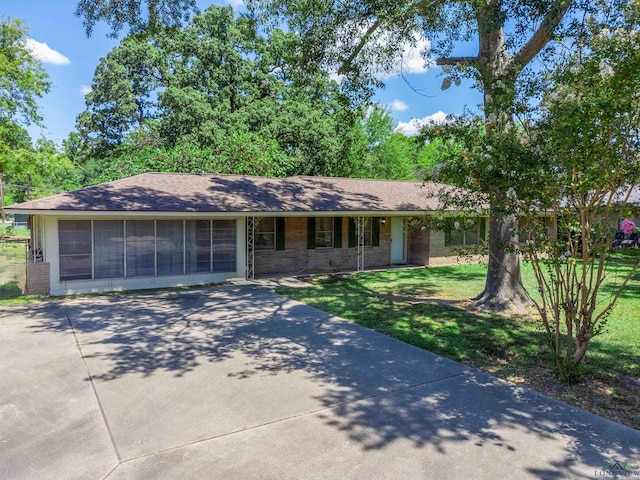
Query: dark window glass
<point x="265" y="234"/>
<point x="466" y="232"/>
<point x="324" y="232"/>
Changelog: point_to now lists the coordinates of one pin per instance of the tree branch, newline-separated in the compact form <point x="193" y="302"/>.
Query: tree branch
<point x="543" y="34"/>
<point x="465" y="61"/>
<point x="423" y="6"/>
<point x="346" y="65"/>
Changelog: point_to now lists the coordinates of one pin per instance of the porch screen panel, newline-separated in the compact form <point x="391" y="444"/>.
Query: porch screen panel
<point x="224" y="245"/>
<point x="140" y="248"/>
<point x="74" y="242"/>
<point x="170" y="247"/>
<point x="108" y="248"/>
<point x="198" y="234"/>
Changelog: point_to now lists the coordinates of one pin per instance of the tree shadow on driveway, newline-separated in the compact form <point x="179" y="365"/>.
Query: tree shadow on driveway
<point x="375" y="390"/>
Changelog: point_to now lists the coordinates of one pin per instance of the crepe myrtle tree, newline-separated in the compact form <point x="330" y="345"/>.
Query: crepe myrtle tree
<point x="589" y="136"/>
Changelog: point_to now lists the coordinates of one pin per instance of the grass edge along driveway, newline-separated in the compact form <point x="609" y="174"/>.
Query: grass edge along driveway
<point x="426" y="307"/>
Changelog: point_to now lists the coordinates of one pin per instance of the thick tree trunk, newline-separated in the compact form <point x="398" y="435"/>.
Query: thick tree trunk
<point x="503" y="289"/>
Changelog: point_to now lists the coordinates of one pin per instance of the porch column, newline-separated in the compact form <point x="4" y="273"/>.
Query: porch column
<point x="359" y="221"/>
<point x="250" y="247"/>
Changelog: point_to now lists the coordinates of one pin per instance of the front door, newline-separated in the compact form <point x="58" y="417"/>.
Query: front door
<point x="398" y="240"/>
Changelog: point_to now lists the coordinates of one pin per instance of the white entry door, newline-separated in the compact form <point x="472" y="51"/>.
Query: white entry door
<point x="398" y="241"/>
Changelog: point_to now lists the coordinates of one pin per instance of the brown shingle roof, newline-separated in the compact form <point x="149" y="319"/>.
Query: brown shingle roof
<point x="177" y="192"/>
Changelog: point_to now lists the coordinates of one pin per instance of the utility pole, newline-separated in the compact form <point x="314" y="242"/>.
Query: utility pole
<point x="2" y="196"/>
<point x="28" y="186"/>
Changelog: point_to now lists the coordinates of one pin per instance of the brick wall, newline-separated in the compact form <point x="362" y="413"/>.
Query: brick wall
<point x="296" y="258"/>
<point x="37" y="279"/>
<point x="437" y="247"/>
<point x="439" y="254"/>
<point x="418" y="245"/>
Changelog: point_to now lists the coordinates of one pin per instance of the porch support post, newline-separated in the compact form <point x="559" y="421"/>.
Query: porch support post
<point x="360" y="242"/>
<point x="250" y="247"/>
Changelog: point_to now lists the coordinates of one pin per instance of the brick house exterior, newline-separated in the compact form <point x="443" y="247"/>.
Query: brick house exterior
<point x="162" y="229"/>
<point x="298" y="258"/>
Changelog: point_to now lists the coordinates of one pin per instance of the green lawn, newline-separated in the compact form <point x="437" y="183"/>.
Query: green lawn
<point x="14" y="232"/>
<point x="13" y="256"/>
<point x="425" y="307"/>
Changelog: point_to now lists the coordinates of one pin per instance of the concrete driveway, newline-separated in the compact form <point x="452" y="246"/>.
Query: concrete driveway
<point x="237" y="382"/>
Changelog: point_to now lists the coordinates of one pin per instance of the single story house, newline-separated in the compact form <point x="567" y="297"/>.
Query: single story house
<point x="168" y="229"/>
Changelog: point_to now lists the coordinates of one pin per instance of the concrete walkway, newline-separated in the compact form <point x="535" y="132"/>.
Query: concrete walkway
<point x="237" y="382"/>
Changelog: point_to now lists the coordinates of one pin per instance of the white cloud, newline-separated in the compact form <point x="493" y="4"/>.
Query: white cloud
<point x="413" y="126"/>
<point x="236" y="3"/>
<point x="413" y="58"/>
<point x="335" y="76"/>
<point x="44" y="53"/>
<point x="398" y="106"/>
<point x="85" y="89"/>
<point x="411" y="55"/>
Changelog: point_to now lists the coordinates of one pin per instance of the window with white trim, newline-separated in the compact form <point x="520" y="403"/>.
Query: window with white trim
<point x="324" y="232"/>
<point x="264" y="236"/>
<point x="466" y="232"/>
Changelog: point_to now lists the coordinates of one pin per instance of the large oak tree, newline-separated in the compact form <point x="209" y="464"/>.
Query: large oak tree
<point x="359" y="39"/>
<point x="362" y="38"/>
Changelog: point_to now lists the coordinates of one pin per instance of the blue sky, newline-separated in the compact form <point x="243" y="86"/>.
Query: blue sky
<point x="70" y="58"/>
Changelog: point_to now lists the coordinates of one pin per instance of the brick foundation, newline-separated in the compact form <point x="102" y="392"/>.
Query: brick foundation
<point x="37" y="279"/>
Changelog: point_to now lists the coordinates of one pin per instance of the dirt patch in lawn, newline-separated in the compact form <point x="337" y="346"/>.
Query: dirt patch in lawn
<point x="616" y="398"/>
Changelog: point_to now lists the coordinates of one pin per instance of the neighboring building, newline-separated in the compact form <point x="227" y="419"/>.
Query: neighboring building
<point x="165" y="229"/>
<point x="21" y="221"/>
<point x="633" y="210"/>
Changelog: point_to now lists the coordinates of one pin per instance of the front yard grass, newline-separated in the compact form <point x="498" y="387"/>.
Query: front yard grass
<point x="13" y="256"/>
<point x="428" y="308"/>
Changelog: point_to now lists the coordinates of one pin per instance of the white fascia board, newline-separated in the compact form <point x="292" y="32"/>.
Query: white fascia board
<point x="156" y="214"/>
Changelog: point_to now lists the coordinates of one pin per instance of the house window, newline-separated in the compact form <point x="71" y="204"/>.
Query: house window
<point x="371" y="231"/>
<point x="265" y="234"/>
<point x="324" y="232"/>
<point x="368" y="231"/>
<point x="529" y="229"/>
<point x="467" y="233"/>
<point x="74" y="237"/>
